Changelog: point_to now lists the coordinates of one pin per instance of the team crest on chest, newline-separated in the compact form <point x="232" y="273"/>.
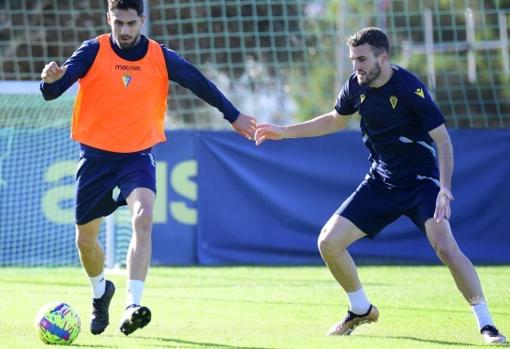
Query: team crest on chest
<point x="126" y="80"/>
<point x="362" y="98"/>
<point x="393" y="101"/>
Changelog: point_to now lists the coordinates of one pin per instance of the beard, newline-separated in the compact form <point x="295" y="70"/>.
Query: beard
<point x="126" y="45"/>
<point x="370" y="76"/>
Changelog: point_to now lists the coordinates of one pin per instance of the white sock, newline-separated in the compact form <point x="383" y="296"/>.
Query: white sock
<point x="134" y="292"/>
<point x="482" y="315"/>
<point x="359" y="301"/>
<point x="98" y="285"/>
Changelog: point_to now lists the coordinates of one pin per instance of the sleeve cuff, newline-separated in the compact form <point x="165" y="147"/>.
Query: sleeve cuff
<point x="232" y="115"/>
<point x="49" y="91"/>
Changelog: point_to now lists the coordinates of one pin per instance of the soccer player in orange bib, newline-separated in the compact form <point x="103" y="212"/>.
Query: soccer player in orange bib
<point x="118" y="116"/>
<point x="400" y="123"/>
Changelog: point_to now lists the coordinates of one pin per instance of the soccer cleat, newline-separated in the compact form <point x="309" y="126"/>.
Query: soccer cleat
<point x="135" y="317"/>
<point x="492" y="335"/>
<point x="351" y="321"/>
<point x="100" y="317"/>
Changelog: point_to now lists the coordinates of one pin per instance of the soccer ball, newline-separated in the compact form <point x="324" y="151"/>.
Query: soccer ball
<point x="57" y="323"/>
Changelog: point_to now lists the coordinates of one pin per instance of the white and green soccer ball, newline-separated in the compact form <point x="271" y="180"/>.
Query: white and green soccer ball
<point x="57" y="323"/>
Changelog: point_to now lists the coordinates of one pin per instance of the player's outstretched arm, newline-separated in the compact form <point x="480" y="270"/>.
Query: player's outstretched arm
<point x="52" y="72"/>
<point x="318" y="126"/>
<point x="245" y="125"/>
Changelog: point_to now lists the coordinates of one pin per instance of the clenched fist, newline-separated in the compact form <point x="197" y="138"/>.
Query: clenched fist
<point x="52" y="72"/>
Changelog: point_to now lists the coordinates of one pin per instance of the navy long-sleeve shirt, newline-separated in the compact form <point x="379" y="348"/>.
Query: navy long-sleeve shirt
<point x="179" y="71"/>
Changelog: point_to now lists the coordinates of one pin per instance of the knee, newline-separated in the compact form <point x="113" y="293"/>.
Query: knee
<point x="85" y="243"/>
<point x="328" y="244"/>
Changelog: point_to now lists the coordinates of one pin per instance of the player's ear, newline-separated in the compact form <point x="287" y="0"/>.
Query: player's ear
<point x="384" y="57"/>
<point x="108" y="19"/>
<point x="142" y="19"/>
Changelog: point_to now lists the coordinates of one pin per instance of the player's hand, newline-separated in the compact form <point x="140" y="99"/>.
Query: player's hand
<point x="443" y="204"/>
<point x="52" y="72"/>
<point x="268" y="131"/>
<point x="245" y="125"/>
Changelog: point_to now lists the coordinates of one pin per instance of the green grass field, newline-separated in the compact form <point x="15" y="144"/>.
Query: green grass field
<point x="252" y="307"/>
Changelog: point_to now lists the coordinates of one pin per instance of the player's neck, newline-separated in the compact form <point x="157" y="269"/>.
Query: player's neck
<point x="384" y="76"/>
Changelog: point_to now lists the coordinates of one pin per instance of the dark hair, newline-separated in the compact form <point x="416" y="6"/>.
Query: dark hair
<point x="136" y="5"/>
<point x="373" y="36"/>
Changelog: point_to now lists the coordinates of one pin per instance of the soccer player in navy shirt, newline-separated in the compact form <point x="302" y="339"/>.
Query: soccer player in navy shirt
<point x="118" y="117"/>
<point x="399" y="123"/>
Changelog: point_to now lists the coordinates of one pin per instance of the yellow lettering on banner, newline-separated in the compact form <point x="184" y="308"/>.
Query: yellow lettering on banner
<point x="184" y="186"/>
<point x="181" y="182"/>
<point x="160" y="213"/>
<point x="53" y="197"/>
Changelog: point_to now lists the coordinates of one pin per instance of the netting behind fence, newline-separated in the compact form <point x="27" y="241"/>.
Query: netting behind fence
<point x="285" y="60"/>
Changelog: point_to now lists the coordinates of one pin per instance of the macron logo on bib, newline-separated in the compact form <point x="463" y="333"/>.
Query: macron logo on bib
<point x="127" y="67"/>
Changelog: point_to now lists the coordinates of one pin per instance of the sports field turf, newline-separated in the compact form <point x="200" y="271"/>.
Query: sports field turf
<point x="252" y="307"/>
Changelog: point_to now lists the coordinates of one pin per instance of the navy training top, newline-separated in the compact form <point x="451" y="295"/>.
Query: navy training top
<point x="395" y="121"/>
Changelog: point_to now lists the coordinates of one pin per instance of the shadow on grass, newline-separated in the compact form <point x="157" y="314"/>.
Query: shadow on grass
<point x="180" y="343"/>
<point x="425" y="340"/>
<point x="443" y="310"/>
<point x="37" y="282"/>
<point x="214" y="284"/>
<point x="247" y="301"/>
<point x="93" y="345"/>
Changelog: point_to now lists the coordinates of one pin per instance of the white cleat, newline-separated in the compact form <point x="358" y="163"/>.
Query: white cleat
<point x="491" y="335"/>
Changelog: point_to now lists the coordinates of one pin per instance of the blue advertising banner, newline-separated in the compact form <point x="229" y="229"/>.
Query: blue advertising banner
<point x="37" y="176"/>
<point x="175" y="213"/>
<point x="267" y="205"/>
<point x="222" y="200"/>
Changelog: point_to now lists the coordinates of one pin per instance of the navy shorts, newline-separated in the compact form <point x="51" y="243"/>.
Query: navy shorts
<point x="97" y="177"/>
<point x="374" y="205"/>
